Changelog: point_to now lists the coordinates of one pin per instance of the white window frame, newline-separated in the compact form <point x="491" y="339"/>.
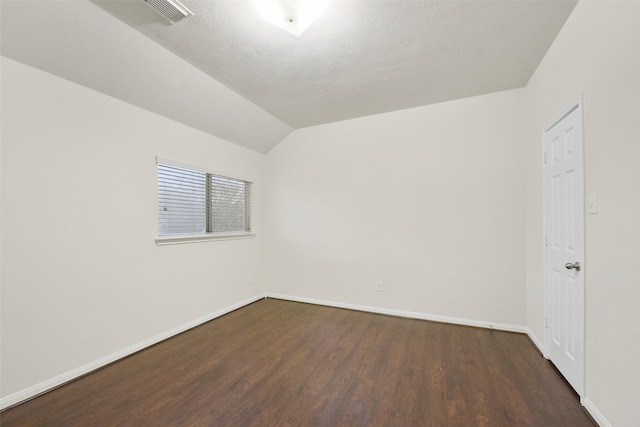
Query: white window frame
<point x="201" y="237"/>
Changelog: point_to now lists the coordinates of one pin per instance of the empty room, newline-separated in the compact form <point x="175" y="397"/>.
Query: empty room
<point x="320" y="213"/>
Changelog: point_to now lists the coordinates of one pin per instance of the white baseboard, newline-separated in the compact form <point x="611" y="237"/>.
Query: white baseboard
<point x="534" y="339"/>
<point x="585" y="401"/>
<point x="403" y="313"/>
<point x="57" y="381"/>
<point x="595" y="413"/>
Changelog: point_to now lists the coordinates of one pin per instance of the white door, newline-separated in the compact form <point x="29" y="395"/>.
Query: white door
<point x="564" y="244"/>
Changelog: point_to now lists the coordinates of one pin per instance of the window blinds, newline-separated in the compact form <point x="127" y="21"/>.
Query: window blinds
<point x="193" y="202"/>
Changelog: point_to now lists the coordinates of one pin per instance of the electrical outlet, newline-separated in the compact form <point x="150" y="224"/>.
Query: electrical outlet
<point x="379" y="286"/>
<point x="251" y="280"/>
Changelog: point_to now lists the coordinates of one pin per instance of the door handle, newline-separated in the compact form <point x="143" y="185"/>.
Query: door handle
<point x="572" y="266"/>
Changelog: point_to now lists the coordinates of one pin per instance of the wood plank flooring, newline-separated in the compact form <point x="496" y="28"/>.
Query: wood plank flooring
<point x="281" y="363"/>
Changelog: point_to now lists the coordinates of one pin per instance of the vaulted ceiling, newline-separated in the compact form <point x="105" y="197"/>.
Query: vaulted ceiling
<point x="230" y="73"/>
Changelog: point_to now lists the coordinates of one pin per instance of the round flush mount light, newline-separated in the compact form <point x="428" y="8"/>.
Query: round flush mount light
<point x="294" y="16"/>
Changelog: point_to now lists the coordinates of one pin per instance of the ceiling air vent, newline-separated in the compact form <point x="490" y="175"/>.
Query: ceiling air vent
<point x="173" y="10"/>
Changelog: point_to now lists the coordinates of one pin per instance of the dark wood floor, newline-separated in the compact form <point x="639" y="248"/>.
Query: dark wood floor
<point x="280" y="363"/>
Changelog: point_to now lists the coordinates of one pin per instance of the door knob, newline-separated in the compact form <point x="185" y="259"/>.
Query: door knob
<point x="571" y="266"/>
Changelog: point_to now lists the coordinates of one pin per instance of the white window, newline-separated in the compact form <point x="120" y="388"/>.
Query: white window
<point x="195" y="204"/>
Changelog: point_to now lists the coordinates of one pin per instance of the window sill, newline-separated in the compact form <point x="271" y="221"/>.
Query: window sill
<point x="177" y="240"/>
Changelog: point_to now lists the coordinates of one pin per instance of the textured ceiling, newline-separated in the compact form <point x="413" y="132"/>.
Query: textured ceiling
<point x="359" y="58"/>
<point x="80" y="42"/>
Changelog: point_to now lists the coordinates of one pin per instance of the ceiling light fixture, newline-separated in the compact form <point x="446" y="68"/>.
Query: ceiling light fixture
<point x="293" y="16"/>
<point x="173" y="10"/>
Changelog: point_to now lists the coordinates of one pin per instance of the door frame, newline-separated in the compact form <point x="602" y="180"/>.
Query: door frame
<point x="577" y="104"/>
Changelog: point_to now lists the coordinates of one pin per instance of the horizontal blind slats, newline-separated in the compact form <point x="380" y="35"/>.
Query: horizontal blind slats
<point x="182" y="195"/>
<point x="193" y="202"/>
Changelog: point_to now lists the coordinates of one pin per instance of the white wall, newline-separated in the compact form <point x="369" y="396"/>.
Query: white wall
<point x="81" y="275"/>
<point x="597" y="53"/>
<point x="427" y="200"/>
